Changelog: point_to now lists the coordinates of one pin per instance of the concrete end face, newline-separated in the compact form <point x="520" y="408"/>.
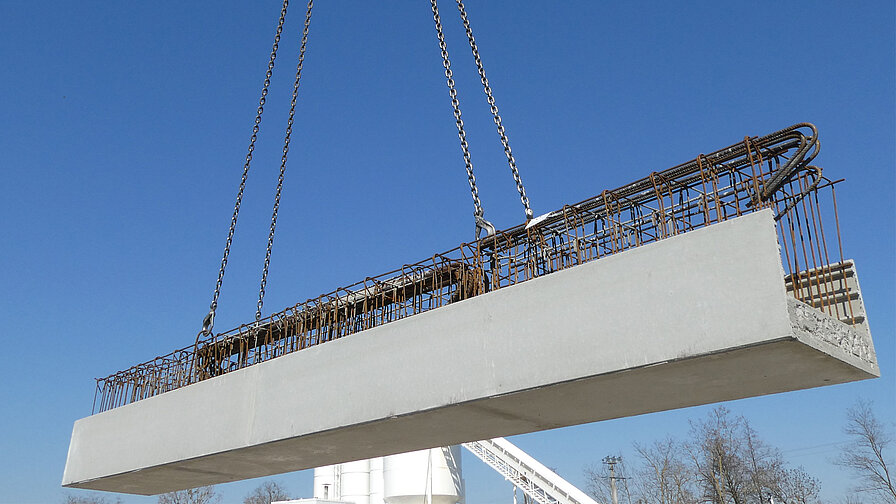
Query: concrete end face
<point x="698" y="318"/>
<point x="847" y="343"/>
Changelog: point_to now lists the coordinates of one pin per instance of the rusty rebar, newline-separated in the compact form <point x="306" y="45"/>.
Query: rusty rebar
<point x="708" y="189"/>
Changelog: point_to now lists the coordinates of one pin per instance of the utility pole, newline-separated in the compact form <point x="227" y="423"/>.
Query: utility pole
<point x="611" y="462"/>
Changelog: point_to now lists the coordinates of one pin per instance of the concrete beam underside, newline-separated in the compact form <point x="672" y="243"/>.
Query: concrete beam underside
<point x="695" y="319"/>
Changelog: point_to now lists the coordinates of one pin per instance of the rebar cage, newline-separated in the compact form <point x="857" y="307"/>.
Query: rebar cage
<point x="773" y="171"/>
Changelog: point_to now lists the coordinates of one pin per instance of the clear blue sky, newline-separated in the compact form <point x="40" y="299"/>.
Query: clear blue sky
<point x="124" y="126"/>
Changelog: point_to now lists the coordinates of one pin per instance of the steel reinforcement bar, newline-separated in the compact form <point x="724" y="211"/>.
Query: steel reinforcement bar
<point x="772" y="171"/>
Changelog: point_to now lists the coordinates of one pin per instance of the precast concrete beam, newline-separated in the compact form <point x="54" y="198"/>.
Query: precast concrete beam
<point x="697" y="318"/>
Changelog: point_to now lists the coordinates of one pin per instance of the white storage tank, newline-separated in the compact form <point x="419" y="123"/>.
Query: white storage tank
<point x="411" y="477"/>
<point x="354" y="482"/>
<point x="325" y="483"/>
<point x="376" y="481"/>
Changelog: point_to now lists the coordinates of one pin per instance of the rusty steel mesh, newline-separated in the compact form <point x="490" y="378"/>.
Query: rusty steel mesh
<point x="772" y="171"/>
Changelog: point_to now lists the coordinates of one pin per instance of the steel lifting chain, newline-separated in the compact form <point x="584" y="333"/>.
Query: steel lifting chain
<point x="494" y="108"/>
<point x="478" y="215"/>
<point x="289" y="123"/>
<point x="208" y="323"/>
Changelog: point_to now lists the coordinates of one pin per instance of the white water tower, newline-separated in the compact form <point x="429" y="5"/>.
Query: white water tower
<point x="421" y="477"/>
<point x="425" y="476"/>
<point x="354" y="482"/>
<point x="377" y="495"/>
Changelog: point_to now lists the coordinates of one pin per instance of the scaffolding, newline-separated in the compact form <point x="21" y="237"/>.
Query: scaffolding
<point x="772" y="171"/>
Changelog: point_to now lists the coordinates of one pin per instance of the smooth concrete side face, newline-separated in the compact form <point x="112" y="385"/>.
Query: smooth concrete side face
<point x="698" y="318"/>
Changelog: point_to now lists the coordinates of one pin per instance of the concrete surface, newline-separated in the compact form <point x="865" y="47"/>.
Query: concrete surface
<point x="698" y="318"/>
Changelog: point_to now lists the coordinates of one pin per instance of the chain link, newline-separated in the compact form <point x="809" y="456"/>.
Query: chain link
<point x="208" y="323"/>
<point x="478" y="214"/>
<point x="289" y="123"/>
<point x="481" y="223"/>
<point x="494" y="108"/>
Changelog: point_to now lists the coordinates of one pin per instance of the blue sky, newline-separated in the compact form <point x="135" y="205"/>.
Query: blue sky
<point x="124" y="126"/>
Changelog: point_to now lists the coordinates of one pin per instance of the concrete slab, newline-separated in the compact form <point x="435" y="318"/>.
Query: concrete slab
<point x="698" y="318"/>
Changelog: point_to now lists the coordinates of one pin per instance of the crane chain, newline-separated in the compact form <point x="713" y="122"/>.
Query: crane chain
<point x="289" y="123"/>
<point x="208" y="323"/>
<point x="478" y="214"/>
<point x="494" y="109"/>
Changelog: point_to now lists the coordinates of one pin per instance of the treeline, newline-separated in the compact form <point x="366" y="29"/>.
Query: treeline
<point x="725" y="461"/>
<point x="265" y="493"/>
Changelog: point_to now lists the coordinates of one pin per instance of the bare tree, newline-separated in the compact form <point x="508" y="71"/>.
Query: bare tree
<point x="664" y="477"/>
<point x="266" y="493"/>
<point x="867" y="454"/>
<point x="763" y="463"/>
<point x="90" y="499"/>
<point x="201" y="495"/>
<point x="735" y="466"/>
<point x="716" y="454"/>
<point x="851" y="499"/>
<point x="795" y="486"/>
<point x="724" y="461"/>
